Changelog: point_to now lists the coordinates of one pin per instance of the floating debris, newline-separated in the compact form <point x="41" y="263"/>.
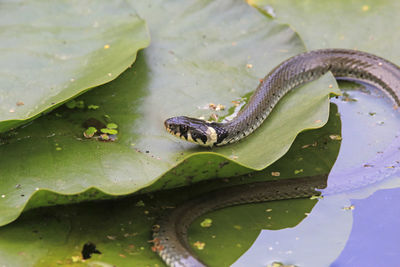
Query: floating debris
<point x="75" y="104"/>
<point x="199" y="245"/>
<point x="107" y="118"/>
<point x="346" y="98"/>
<point x="89" y="133"/>
<point x="76" y="259"/>
<point x="317" y="197"/>
<point x="140" y="203"/>
<point x="213" y="117"/>
<point x="212" y="106"/>
<point x="237" y="227"/>
<point x="206" y="223"/>
<point x="107" y="132"/>
<point x="365" y="8"/>
<point x="335" y="137"/>
<point x="352" y="207"/>
<point x="104" y="137"/>
<point x="308" y="145"/>
<point x="112" y="125"/>
<point x="280" y="264"/>
<point x="89" y="249"/>
<point x="93" y="107"/>
<point x="236" y="102"/>
<point x="298" y="171"/>
<point x="156" y="245"/>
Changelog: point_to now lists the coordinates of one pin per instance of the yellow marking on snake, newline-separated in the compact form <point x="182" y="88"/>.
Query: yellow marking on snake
<point x="212" y="137"/>
<point x="190" y="139"/>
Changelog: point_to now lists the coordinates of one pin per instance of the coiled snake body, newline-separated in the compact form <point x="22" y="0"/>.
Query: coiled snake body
<point x="171" y="233"/>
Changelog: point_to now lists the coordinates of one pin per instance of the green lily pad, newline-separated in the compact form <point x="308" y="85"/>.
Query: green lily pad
<point x="52" y="51"/>
<point x="56" y="235"/>
<point x="167" y="79"/>
<point x="109" y="131"/>
<point x="356" y="24"/>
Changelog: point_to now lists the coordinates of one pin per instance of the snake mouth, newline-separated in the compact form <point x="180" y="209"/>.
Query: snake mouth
<point x="166" y="125"/>
<point x="171" y="129"/>
<point x="175" y="133"/>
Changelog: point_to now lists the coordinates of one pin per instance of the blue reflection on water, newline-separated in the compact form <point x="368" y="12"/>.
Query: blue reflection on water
<point x="370" y="147"/>
<point x="366" y="175"/>
<point x="375" y="237"/>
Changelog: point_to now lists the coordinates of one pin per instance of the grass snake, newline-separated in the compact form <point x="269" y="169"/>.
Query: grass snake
<point x="170" y="233"/>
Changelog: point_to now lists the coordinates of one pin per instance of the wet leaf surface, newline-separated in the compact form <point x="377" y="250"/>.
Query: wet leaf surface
<point x="167" y="79"/>
<point x="53" y="51"/>
<point x="57" y="234"/>
<point x="122" y="232"/>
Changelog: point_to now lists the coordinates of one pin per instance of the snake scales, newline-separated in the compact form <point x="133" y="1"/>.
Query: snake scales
<point x="170" y="234"/>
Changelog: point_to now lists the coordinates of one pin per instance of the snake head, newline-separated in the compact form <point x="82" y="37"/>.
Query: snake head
<point x="193" y="130"/>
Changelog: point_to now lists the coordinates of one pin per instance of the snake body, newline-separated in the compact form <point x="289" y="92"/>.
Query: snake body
<point x="298" y="70"/>
<point x="170" y="235"/>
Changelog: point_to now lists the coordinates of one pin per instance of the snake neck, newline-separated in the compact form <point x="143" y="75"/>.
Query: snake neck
<point x="296" y="71"/>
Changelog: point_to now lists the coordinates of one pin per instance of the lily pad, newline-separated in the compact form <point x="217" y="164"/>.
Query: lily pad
<point x="356" y="24"/>
<point x="56" y="235"/>
<point x="52" y="51"/>
<point x="168" y="78"/>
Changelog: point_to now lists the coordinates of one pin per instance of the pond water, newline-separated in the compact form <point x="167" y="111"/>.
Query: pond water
<point x="356" y="223"/>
